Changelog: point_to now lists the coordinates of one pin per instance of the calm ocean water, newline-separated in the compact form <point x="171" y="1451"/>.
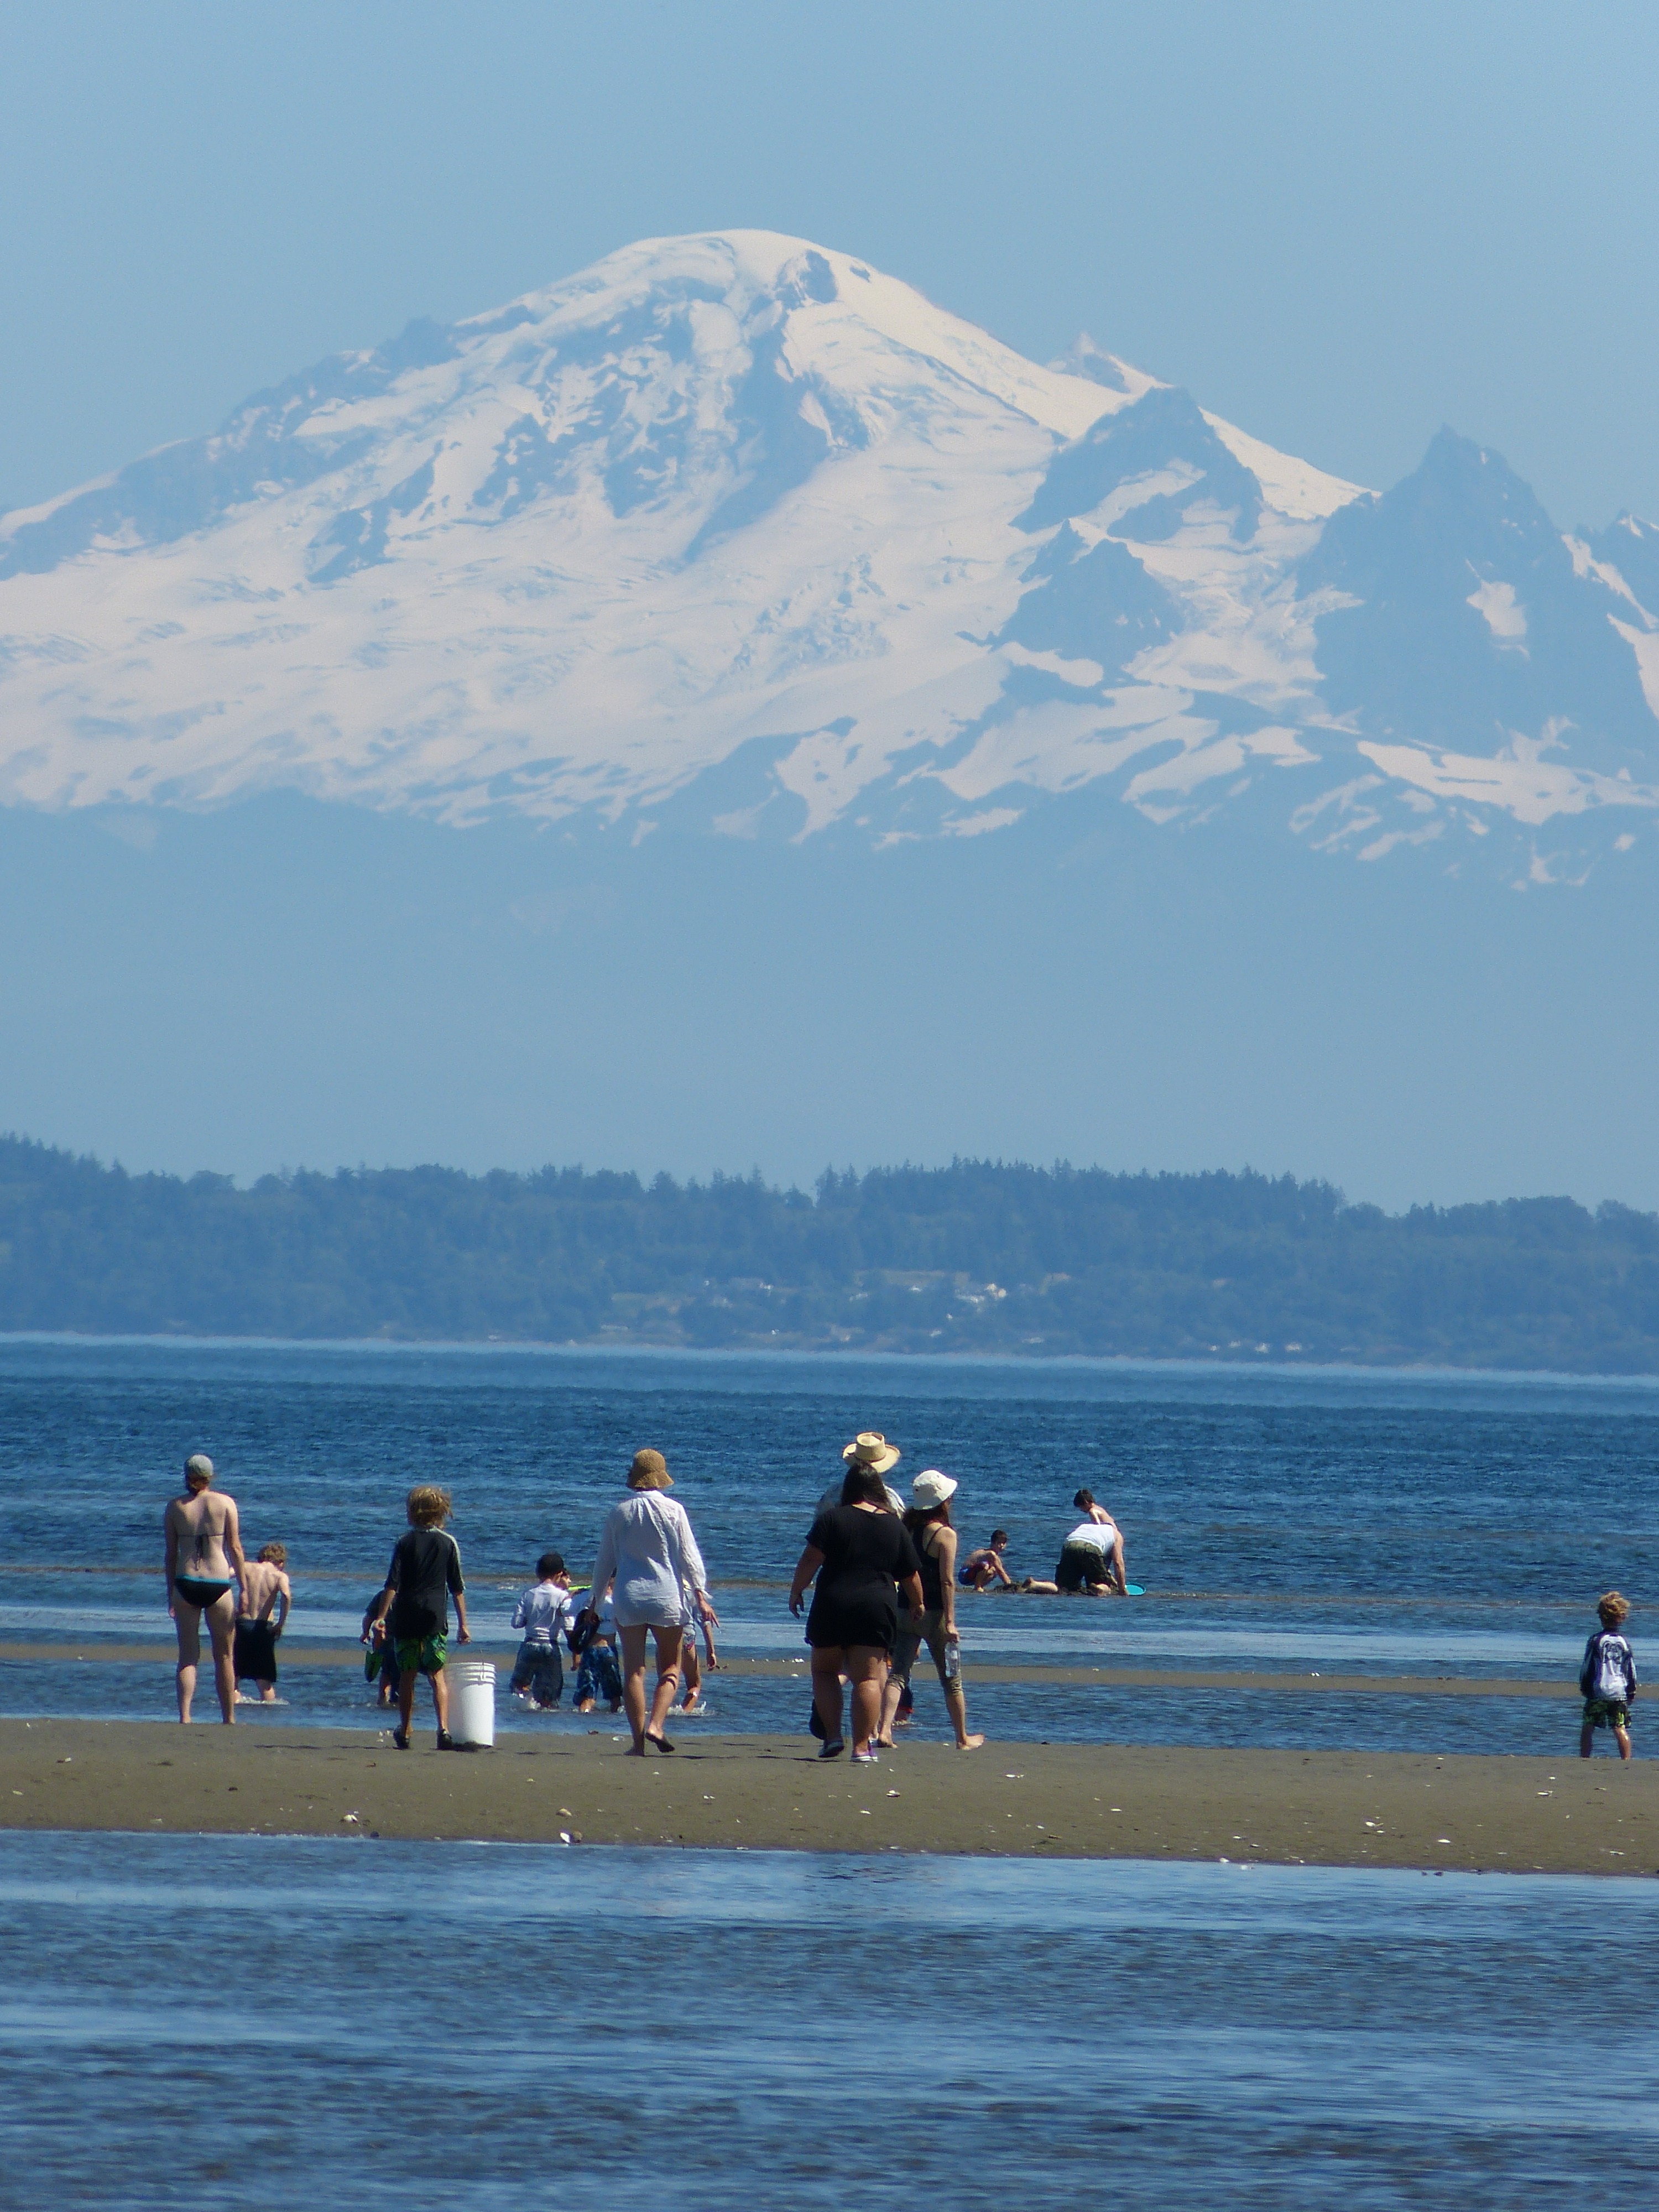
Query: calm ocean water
<point x="1303" y="1521"/>
<point x="235" y="2021"/>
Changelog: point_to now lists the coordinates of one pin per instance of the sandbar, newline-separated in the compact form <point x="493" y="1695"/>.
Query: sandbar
<point x="1175" y="1679"/>
<point x="1070" y="1800"/>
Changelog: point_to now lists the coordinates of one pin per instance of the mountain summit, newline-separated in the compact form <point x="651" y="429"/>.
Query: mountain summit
<point x="737" y="530"/>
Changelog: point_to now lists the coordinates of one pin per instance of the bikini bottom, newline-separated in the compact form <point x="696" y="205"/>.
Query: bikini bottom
<point x="196" y="1589"/>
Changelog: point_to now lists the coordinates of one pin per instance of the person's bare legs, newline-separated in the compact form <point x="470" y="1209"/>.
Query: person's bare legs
<point x="1621" y="1737"/>
<point x="828" y="1661"/>
<point x="957" y="1705"/>
<point x="643" y="1725"/>
<point x="440" y="1700"/>
<point x="868" y="1665"/>
<point x="892" y="1690"/>
<point x="221" y="1627"/>
<point x="406" y="1682"/>
<point x="693" y="1666"/>
<point x="187" y="1620"/>
<point x="671" y="1641"/>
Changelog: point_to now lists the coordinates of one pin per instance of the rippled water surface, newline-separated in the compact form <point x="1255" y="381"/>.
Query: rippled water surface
<point x="246" y="2021"/>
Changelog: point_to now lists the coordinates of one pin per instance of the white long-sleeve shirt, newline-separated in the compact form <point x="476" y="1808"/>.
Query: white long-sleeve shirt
<point x="647" y="1545"/>
<point x="544" y="1613"/>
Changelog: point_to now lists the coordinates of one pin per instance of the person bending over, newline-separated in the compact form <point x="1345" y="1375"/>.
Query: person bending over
<point x="1091" y="1558"/>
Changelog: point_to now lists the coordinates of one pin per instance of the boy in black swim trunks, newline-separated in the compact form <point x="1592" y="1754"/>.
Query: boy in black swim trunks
<point x="267" y="1595"/>
<point x="424" y="1574"/>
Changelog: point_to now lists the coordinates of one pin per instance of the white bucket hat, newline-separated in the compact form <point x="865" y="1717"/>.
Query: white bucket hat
<point x="931" y="1488"/>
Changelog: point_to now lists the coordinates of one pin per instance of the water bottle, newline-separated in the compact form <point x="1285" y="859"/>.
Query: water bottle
<point x="952" y="1660"/>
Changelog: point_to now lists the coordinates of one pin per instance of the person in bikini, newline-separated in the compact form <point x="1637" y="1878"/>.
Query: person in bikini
<point x="203" y="1542"/>
<point x="267" y="1595"/>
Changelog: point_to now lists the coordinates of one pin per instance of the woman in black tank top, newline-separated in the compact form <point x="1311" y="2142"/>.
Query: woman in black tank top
<point x="928" y="1523"/>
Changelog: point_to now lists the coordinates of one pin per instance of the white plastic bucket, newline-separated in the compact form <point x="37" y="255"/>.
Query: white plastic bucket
<point x="472" y="1704"/>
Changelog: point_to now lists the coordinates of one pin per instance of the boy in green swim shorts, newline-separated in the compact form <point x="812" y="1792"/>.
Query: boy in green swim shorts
<point x="424" y="1575"/>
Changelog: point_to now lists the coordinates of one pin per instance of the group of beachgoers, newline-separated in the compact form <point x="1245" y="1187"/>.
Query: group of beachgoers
<point x="885" y="1574"/>
<point x="867" y="1549"/>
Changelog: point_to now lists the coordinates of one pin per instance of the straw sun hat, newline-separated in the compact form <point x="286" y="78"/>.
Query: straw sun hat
<point x="869" y="1450"/>
<point x="649" y="1472"/>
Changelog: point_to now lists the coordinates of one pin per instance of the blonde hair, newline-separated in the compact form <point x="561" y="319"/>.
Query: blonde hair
<point x="274" y="1555"/>
<point x="1614" y="1609"/>
<point x="649" y="1472"/>
<point x="429" y="1506"/>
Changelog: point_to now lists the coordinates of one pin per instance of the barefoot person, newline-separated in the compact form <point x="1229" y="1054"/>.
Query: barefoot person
<point x="648" y="1560"/>
<point x="859" y="1553"/>
<point x="928" y="1521"/>
<point x="260" y="1618"/>
<point x="425" y="1573"/>
<point x="1091" y="1558"/>
<point x="203" y="1547"/>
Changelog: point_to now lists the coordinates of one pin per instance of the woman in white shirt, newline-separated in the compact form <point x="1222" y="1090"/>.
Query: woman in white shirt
<point x="648" y="1559"/>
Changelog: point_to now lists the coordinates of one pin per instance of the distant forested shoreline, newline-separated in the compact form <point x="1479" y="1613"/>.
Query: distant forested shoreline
<point x="976" y="1257"/>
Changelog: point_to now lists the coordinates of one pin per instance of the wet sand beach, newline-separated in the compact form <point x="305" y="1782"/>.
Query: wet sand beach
<point x="1343" y="1808"/>
<point x="349" y="1657"/>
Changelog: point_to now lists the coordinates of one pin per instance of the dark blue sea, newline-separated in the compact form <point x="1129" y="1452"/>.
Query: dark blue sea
<point x="229" y="2022"/>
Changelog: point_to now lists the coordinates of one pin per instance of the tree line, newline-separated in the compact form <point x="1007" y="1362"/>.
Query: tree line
<point x="979" y="1256"/>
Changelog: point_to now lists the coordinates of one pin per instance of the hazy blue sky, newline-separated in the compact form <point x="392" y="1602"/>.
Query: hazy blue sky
<point x="1342" y="226"/>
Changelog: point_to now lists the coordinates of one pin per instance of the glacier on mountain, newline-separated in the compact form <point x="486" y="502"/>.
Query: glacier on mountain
<point x="738" y="524"/>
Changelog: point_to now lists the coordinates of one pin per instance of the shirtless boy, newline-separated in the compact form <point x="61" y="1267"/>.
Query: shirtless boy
<point x="983" y="1570"/>
<point x="204" y="1563"/>
<point x="266" y="1597"/>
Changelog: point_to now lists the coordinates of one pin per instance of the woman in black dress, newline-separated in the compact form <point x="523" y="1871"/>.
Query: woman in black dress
<point x="858" y="1551"/>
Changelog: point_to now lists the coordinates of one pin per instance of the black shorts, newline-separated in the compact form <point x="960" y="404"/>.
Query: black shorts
<point x="837" y="1624"/>
<point x="1083" y="1567"/>
<point x="256" y="1651"/>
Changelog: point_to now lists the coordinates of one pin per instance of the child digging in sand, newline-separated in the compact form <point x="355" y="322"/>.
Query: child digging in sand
<point x="1608" y="1678"/>
<point x="424" y="1574"/>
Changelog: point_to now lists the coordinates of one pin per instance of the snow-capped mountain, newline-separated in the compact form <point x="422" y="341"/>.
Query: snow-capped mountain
<point x="736" y="529"/>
